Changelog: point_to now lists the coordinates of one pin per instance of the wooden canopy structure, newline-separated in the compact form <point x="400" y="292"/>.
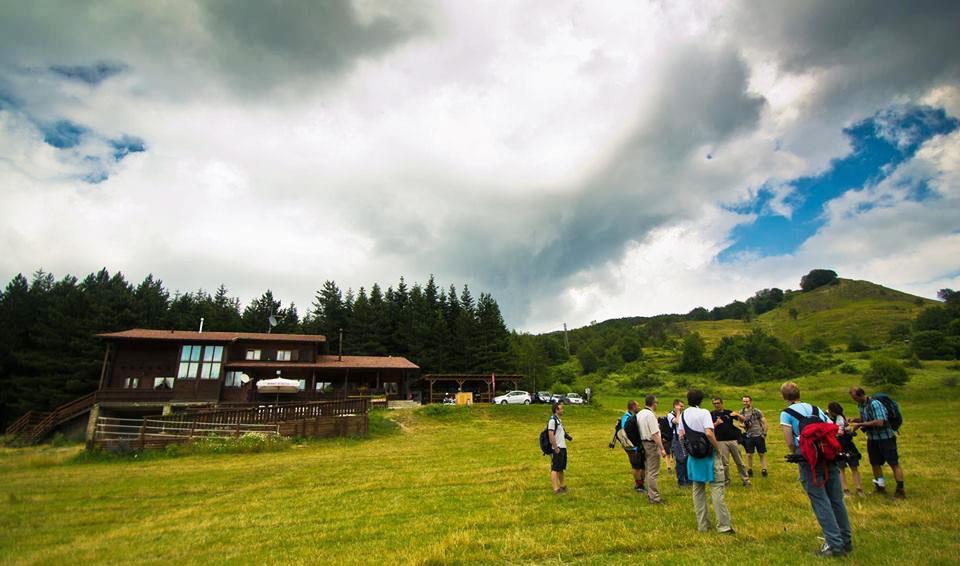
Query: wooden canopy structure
<point x="484" y="394"/>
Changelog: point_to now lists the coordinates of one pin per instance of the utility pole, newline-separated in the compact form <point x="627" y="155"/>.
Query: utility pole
<point x="340" y="347"/>
<point x="566" y="340"/>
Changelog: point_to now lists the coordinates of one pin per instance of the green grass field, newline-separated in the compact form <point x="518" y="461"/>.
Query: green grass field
<point x="468" y="485"/>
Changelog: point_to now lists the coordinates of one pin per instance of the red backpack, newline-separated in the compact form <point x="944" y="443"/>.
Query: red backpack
<point x="818" y="441"/>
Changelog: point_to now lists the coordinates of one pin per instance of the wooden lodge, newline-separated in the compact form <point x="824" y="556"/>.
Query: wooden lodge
<point x="209" y="380"/>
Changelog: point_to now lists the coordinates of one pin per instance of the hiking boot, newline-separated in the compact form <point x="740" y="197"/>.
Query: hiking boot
<point x="846" y="493"/>
<point x="827" y="551"/>
<point x="899" y="494"/>
<point x="848" y="548"/>
<point x="750" y="472"/>
<point x="879" y="490"/>
<point x="730" y="532"/>
<point x="563" y="489"/>
<point x="763" y="472"/>
<point x="639" y="490"/>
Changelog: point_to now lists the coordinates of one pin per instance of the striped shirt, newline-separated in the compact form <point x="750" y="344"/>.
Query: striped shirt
<point x="873" y="410"/>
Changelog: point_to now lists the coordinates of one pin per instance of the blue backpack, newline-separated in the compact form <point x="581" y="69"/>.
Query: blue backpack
<point x="894" y="416"/>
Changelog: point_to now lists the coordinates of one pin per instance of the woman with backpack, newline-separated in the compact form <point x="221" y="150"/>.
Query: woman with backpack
<point x="845" y="436"/>
<point x="703" y="464"/>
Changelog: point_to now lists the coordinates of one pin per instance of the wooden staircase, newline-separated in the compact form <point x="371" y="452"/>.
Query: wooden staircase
<point x="34" y="426"/>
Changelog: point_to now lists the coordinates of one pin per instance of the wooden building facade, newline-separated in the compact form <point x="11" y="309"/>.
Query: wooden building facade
<point x="162" y="369"/>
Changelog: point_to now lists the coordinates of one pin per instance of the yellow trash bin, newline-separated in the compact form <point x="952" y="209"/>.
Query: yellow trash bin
<point x="464" y="398"/>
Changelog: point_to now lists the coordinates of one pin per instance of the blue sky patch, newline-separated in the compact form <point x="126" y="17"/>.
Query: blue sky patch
<point x="125" y="145"/>
<point x="63" y="134"/>
<point x="879" y="143"/>
<point x="90" y="74"/>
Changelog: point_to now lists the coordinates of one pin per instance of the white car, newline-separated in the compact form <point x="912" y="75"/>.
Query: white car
<point x="513" y="398"/>
<point x="574" y="399"/>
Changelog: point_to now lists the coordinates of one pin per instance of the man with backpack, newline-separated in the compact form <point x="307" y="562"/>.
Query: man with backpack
<point x="627" y="434"/>
<point x="703" y="464"/>
<point x="558" y="441"/>
<point x="728" y="439"/>
<point x="880" y="419"/>
<point x="652" y="446"/>
<point x="754" y="435"/>
<point x="807" y="431"/>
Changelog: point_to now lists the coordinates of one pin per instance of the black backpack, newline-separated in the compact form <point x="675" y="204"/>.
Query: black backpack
<point x="632" y="430"/>
<point x="697" y="443"/>
<point x="545" y="445"/>
<point x="666" y="431"/>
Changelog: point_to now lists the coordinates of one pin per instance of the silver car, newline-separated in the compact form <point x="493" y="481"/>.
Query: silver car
<point x="513" y="398"/>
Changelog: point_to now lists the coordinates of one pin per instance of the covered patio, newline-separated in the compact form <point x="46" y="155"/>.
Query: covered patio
<point x="481" y="385"/>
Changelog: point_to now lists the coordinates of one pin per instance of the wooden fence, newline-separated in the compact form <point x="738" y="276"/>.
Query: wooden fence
<point x="150" y="432"/>
<point x="263" y="413"/>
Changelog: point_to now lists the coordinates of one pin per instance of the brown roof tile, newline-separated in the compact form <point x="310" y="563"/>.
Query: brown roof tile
<point x="187" y="335"/>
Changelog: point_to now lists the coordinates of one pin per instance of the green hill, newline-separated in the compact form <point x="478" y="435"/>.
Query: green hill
<point x="833" y="312"/>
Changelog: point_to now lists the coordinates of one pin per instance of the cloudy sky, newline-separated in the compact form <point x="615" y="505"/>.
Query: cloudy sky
<point x="578" y="160"/>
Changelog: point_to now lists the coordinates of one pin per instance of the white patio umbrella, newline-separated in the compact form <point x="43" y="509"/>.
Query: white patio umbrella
<point x="278" y="385"/>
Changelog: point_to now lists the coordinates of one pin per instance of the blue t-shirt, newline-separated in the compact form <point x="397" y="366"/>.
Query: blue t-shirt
<point x="805" y="409"/>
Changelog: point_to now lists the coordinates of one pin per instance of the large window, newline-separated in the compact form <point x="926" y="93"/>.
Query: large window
<point x="288" y="355"/>
<point x="253" y="354"/>
<point x="191" y="365"/>
<point x="189" y="362"/>
<point x="212" y="356"/>
<point x="302" y="384"/>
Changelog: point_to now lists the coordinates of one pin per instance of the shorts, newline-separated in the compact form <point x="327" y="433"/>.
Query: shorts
<point x="883" y="451"/>
<point x="636" y="459"/>
<point x="558" y="461"/>
<point x="758" y="443"/>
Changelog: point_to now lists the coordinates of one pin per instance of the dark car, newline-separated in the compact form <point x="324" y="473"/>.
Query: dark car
<point x="542" y="397"/>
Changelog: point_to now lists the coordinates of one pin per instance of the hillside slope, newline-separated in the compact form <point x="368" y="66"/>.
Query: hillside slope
<point x="834" y="312"/>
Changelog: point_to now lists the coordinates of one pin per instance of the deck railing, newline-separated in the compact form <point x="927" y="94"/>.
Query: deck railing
<point x="264" y="413"/>
<point x="153" y="432"/>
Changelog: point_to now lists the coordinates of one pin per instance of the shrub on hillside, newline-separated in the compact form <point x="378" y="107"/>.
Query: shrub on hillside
<point x="884" y="371"/>
<point x="693" y="358"/>
<point x="817" y="345"/>
<point x="932" y="345"/>
<point x="644" y="380"/>
<point x="950" y="381"/>
<point x="817" y="278"/>
<point x="768" y="357"/>
<point x="848" y="369"/>
<point x="900" y="333"/>
<point x="739" y="372"/>
<point x="914" y="362"/>
<point x="856" y="344"/>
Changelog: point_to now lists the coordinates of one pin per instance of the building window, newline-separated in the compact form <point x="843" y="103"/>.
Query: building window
<point x="189" y="362"/>
<point x="212" y="356"/>
<point x="131" y="383"/>
<point x="391" y="388"/>
<point x="288" y="355"/>
<point x="303" y="384"/>
<point x="253" y="355"/>
<point x="237" y="379"/>
<point x="324" y="387"/>
<point x="162" y="383"/>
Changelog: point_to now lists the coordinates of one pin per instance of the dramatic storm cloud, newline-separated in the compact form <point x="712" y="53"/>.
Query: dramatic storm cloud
<point x="579" y="160"/>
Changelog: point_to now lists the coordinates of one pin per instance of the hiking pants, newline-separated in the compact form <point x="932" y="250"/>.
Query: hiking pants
<point x="680" y="461"/>
<point x="730" y="448"/>
<point x="652" y="466"/>
<point x="719" y="506"/>
<point x="828" y="505"/>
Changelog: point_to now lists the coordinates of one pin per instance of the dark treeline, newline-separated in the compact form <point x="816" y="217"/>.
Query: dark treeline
<point x="49" y="353"/>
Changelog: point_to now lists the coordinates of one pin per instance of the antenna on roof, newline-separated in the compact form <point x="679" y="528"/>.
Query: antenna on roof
<point x="201" y="325"/>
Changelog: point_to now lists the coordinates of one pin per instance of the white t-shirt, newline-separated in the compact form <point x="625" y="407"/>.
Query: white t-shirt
<point x="648" y="425"/>
<point x="698" y="419"/>
<point x="556" y="425"/>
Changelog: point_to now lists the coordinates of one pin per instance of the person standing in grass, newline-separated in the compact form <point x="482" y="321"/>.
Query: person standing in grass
<point x="634" y="454"/>
<point x="754" y="435"/>
<point x="728" y="438"/>
<point x="881" y="440"/>
<point x="845" y="436"/>
<point x="652" y="446"/>
<point x="822" y="486"/>
<point x="707" y="469"/>
<point x="558" y="440"/>
<point x="679" y="453"/>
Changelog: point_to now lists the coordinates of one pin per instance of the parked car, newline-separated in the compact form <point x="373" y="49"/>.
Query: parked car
<point x="513" y="398"/>
<point x="574" y="399"/>
<point x="542" y="397"/>
<point x="558" y="398"/>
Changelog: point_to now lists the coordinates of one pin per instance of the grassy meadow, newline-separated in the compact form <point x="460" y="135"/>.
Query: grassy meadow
<point x="447" y="484"/>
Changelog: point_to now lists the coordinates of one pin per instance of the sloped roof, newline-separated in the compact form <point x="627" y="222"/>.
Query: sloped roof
<point x="328" y="362"/>
<point x="190" y="336"/>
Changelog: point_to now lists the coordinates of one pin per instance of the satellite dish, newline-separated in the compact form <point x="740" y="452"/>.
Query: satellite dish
<point x="272" y="320"/>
